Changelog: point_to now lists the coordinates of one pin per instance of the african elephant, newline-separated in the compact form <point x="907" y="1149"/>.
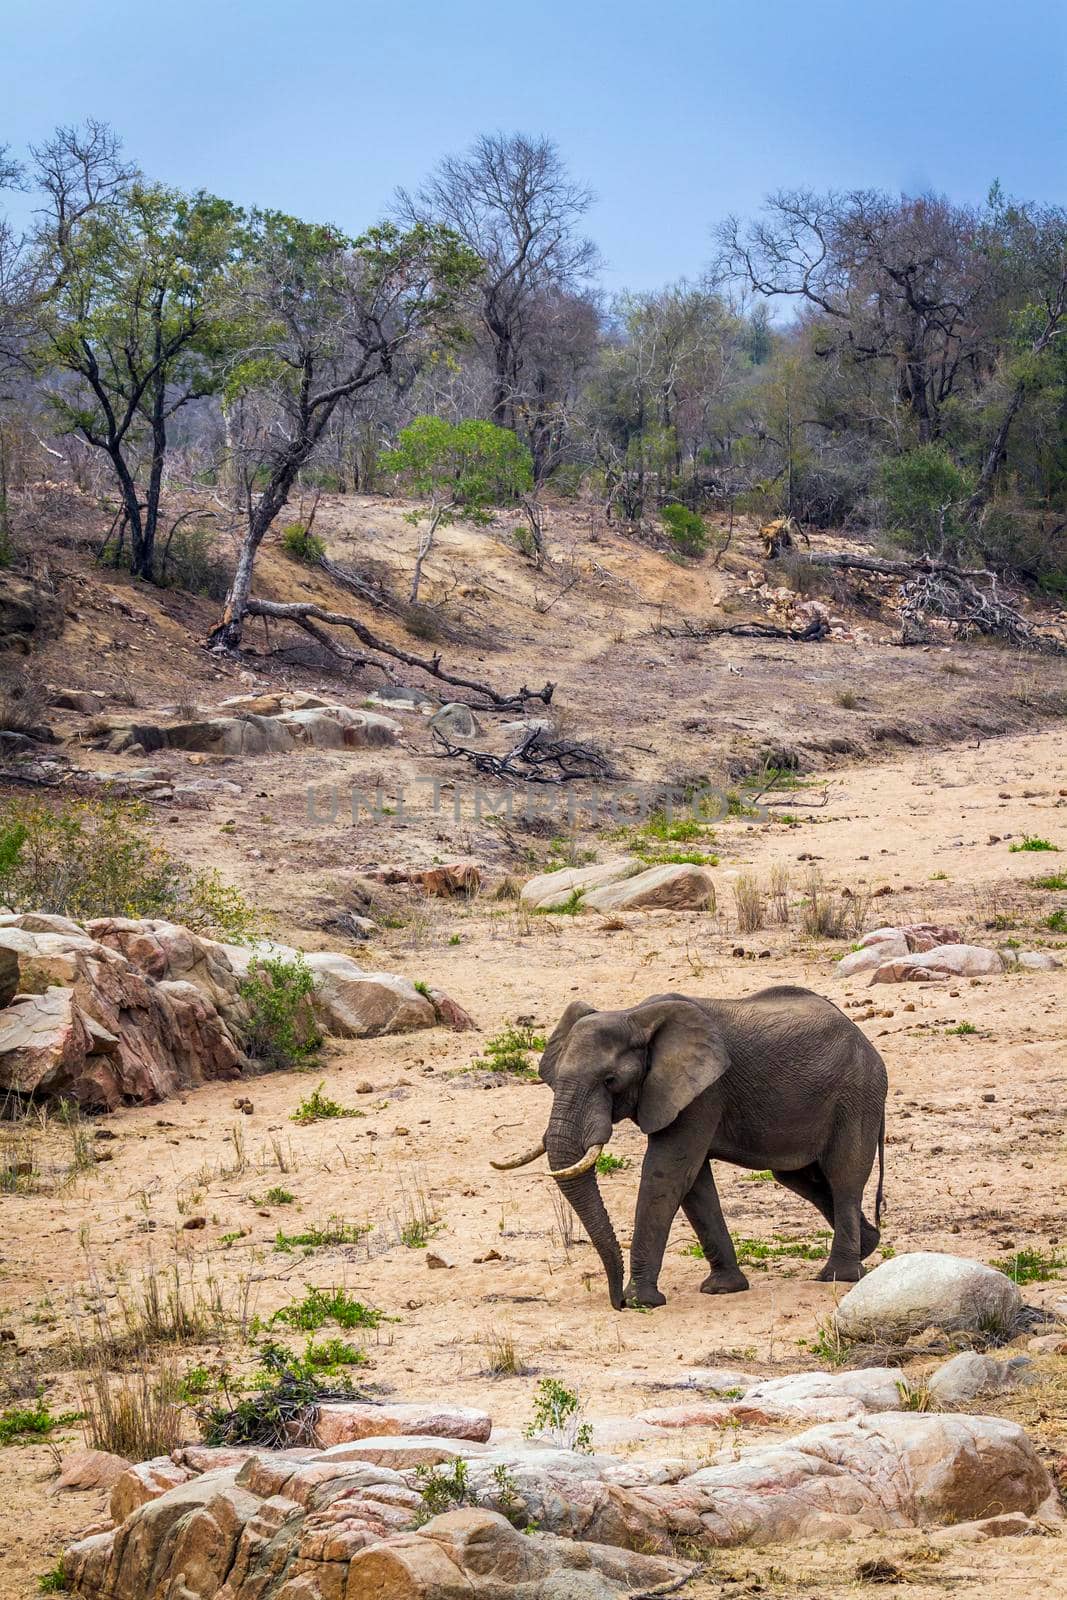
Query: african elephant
<point x="781" y="1080"/>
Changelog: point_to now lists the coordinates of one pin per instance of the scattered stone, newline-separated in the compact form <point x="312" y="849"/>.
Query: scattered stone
<point x="436" y="1261"/>
<point x="926" y="1288"/>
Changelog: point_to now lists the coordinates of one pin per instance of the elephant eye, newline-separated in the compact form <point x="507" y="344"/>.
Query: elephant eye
<point x="611" y="1081"/>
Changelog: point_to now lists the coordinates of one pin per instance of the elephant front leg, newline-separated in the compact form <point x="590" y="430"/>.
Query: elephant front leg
<point x="667" y="1175"/>
<point x="702" y="1208"/>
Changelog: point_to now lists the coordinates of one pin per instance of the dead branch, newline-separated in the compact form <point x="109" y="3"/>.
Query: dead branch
<point x="375" y="594"/>
<point x="303" y="614"/>
<point x="890" y="569"/>
<point x="536" y="758"/>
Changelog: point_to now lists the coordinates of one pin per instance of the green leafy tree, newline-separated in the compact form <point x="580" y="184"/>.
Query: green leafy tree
<point x="925" y="495"/>
<point x="460" y="469"/>
<point x="134" y="318"/>
<point x="325" y="318"/>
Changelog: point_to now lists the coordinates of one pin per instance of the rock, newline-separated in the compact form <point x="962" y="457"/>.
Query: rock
<point x="9" y="974"/>
<point x="435" y="1260"/>
<point x="872" y="1389"/>
<point x="477" y="1553"/>
<point x="89" y="1469"/>
<point x="672" y="887"/>
<point x="325" y="727"/>
<point x="343" y="1420"/>
<point x="303" y="1525"/>
<point x="1035" y="960"/>
<point x="944" y="961"/>
<point x="449" y="1011"/>
<point x="400" y="1451"/>
<point x="969" y="1375"/>
<point x="29" y="613"/>
<point x="146" y="1481"/>
<point x="885" y="944"/>
<point x="549" y="890"/>
<point x="925" y="1288"/>
<point x="455" y="877"/>
<point x="352" y="1004"/>
<point x="456" y="721"/>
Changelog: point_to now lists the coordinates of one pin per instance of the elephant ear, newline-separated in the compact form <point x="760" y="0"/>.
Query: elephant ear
<point x="554" y="1048"/>
<point x="686" y="1055"/>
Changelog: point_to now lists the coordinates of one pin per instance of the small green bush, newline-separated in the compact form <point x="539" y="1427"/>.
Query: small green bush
<point x="320" y="1306"/>
<point x="333" y="1232"/>
<point x="1057" y="923"/>
<point x="299" y="542"/>
<point x="606" y="1164"/>
<point x="1031" y="1265"/>
<point x="84" y="858"/>
<point x="442" y="1488"/>
<point x="279" y="1031"/>
<point x="557" y="1413"/>
<point x="1030" y="841"/>
<point x="686" y="529"/>
<point x="925" y="494"/>
<point x="318" y="1107"/>
<point x="21" y="1423"/>
<point x="509" y="1051"/>
<point x="56" y="1580"/>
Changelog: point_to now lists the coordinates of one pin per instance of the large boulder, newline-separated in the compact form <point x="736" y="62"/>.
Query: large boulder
<point x="352" y="1004"/>
<point x="550" y="890"/>
<point x="675" y="887"/>
<point x="276" y="729"/>
<point x="926" y="1288"/>
<point x="887" y="944"/>
<point x="944" y="961"/>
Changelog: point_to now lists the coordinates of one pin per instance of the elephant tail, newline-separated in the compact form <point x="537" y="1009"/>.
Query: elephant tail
<point x="880" y="1192"/>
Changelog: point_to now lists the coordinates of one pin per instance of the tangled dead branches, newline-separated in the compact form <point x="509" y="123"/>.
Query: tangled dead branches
<point x="537" y="758"/>
<point x="814" y="630"/>
<point x="950" y="596"/>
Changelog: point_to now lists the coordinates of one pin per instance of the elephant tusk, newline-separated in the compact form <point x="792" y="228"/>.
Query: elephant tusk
<point x="588" y="1160"/>
<point x="520" y="1161"/>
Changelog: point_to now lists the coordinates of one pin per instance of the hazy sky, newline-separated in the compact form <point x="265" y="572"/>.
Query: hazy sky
<point x="675" y="113"/>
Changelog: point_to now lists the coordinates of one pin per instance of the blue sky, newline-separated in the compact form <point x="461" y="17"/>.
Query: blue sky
<point x="674" y="113"/>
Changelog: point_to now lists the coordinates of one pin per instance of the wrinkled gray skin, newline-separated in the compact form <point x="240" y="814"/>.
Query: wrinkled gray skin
<point x="782" y="1080"/>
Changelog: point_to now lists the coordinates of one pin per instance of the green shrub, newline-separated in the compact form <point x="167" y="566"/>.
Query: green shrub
<point x="320" y="1306"/>
<point x="1030" y="841"/>
<point x="210" y="906"/>
<point x="18" y="1424"/>
<point x="299" y="542"/>
<point x="557" y="1413"/>
<point x="283" y="1411"/>
<point x="333" y="1232"/>
<point x="606" y="1164"/>
<point x="56" y="1580"/>
<point x="1031" y="1265"/>
<point x="1057" y="923"/>
<point x="84" y="858"/>
<point x="685" y="529"/>
<point x="442" y="1488"/>
<point x="509" y="1051"/>
<point x="318" y="1107"/>
<point x="925" y="493"/>
<point x="279" y="1031"/>
<point x="190" y="562"/>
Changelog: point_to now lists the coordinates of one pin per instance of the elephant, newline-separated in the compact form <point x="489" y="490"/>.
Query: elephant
<point x="780" y="1080"/>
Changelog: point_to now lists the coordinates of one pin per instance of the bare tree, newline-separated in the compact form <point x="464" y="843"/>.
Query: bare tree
<point x="512" y="201"/>
<point x="328" y="318"/>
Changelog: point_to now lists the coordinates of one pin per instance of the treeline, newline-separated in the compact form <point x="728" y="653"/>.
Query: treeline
<point x="916" y="383"/>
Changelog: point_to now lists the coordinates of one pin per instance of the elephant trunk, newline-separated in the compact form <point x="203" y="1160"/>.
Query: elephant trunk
<point x="567" y="1149"/>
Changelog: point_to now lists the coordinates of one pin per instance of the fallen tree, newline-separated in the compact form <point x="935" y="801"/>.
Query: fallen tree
<point x="309" y="616"/>
<point x="973" y="599"/>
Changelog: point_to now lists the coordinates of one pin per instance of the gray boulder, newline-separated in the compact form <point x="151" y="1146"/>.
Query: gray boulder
<point x="928" y="1289"/>
<point x="969" y="1374"/>
<point x="456" y="721"/>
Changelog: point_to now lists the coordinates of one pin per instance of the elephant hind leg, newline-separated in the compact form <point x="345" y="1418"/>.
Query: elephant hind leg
<point x="704" y="1214"/>
<point x="811" y="1184"/>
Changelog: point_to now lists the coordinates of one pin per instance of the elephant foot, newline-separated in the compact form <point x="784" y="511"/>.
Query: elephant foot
<point x="870" y="1238"/>
<point x="724" y="1280"/>
<point x="840" y="1272"/>
<point x="643" y="1298"/>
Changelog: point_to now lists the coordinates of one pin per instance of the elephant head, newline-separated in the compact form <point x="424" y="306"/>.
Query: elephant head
<point x="648" y="1063"/>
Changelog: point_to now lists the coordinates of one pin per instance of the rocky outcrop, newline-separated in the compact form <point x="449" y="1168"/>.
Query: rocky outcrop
<point x="550" y="890"/>
<point x="339" y="1422"/>
<point x="923" y="952"/>
<point x="259" y="725"/>
<point x="927" y="1289"/>
<point x="315" y="1525"/>
<point x="135" y="1010"/>
<point x="675" y="887"/>
<point x="89" y="1026"/>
